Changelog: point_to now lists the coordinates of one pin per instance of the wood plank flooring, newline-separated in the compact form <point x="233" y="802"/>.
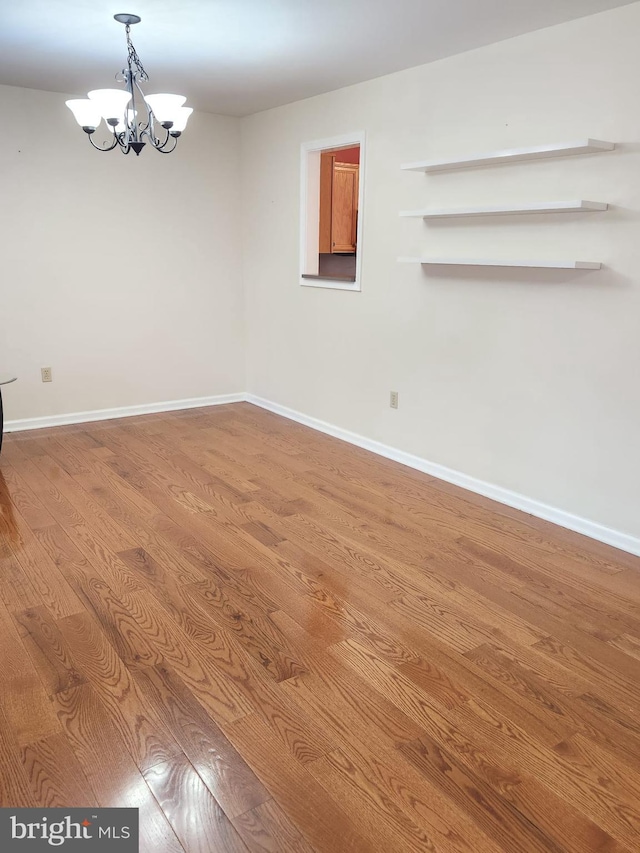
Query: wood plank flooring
<point x="268" y="640"/>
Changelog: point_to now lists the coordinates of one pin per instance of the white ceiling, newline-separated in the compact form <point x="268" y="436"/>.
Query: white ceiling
<point x="240" y="56"/>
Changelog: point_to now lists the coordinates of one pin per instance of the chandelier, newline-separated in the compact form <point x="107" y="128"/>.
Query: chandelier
<point x="132" y="117"/>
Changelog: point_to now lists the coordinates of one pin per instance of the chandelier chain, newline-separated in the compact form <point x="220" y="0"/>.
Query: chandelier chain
<point x="132" y="57"/>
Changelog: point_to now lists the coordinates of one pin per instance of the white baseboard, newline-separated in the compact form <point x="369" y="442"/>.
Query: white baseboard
<point x="609" y="536"/>
<point x="122" y="412"/>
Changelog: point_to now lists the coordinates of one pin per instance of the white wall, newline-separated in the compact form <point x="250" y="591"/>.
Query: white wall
<point x="526" y="379"/>
<point x="121" y="273"/>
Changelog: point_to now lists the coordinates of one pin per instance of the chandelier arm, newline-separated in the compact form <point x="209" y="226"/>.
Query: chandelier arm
<point x="160" y="146"/>
<point x="109" y="148"/>
<point x="133" y="133"/>
<point x="149" y="123"/>
<point x="164" y="150"/>
<point x="156" y="143"/>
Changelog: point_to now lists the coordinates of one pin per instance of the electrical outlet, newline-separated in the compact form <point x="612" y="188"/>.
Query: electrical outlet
<point x="47" y="376"/>
<point x="393" y="399"/>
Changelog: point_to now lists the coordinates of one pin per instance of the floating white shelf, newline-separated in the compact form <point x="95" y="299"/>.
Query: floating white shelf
<point x="470" y="262"/>
<point x="538" y="152"/>
<point x="491" y="210"/>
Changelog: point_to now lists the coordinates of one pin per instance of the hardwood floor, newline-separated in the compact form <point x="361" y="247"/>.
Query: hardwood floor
<point x="269" y="640"/>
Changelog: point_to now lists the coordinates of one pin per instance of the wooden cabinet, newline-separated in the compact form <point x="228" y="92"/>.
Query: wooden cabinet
<point x="339" y="186"/>
<point x="344" y="207"/>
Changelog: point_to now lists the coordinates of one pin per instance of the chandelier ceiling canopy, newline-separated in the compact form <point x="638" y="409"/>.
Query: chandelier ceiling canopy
<point x="133" y="118"/>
